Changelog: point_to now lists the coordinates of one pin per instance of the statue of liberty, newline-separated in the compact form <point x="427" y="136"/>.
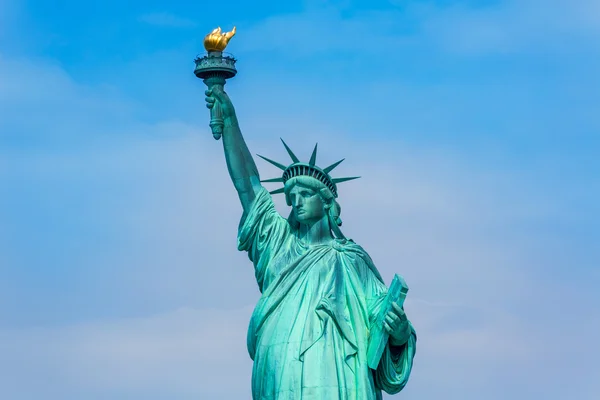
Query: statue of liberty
<point x="321" y="293"/>
<point x="326" y="327"/>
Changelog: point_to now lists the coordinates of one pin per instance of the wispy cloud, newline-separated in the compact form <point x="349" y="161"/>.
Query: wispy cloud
<point x="185" y="353"/>
<point x="514" y="26"/>
<point x="191" y="353"/>
<point x="501" y="27"/>
<point x="72" y="110"/>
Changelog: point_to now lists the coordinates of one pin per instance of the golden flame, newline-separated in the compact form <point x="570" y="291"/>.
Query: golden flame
<point x="217" y="41"/>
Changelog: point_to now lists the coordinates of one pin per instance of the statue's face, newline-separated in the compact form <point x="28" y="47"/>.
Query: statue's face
<point x="307" y="204"/>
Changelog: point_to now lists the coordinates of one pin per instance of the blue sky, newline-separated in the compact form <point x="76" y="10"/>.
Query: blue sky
<point x="474" y="125"/>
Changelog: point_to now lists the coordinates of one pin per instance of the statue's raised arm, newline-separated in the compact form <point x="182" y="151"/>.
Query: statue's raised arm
<point x="240" y="163"/>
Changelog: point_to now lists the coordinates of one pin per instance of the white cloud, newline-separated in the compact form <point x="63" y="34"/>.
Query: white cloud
<point x="513" y="26"/>
<point x="37" y="96"/>
<point x="503" y="27"/>
<point x="191" y="353"/>
<point x="183" y="354"/>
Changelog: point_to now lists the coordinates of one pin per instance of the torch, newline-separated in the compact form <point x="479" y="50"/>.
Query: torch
<point x="214" y="68"/>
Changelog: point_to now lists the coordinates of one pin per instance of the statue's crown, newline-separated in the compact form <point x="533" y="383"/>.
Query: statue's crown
<point x="217" y="41"/>
<point x="298" y="168"/>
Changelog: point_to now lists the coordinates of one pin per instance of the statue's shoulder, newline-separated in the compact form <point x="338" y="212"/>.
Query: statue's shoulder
<point x="356" y="252"/>
<point x="349" y="246"/>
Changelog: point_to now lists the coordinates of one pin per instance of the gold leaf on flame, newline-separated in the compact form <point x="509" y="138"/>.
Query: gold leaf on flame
<point x="217" y="41"/>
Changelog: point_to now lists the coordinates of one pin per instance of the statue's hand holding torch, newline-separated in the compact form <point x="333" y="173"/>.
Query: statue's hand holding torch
<point x="220" y="105"/>
<point x="216" y="112"/>
<point x="214" y="68"/>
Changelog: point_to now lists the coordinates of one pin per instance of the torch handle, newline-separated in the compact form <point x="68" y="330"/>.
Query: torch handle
<point x="216" y="113"/>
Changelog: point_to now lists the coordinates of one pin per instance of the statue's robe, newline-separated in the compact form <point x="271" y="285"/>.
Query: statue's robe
<point x="309" y="333"/>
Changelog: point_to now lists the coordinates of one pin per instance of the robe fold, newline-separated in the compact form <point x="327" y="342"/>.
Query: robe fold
<point x="309" y="333"/>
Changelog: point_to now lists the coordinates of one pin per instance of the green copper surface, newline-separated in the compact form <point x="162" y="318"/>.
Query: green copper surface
<point x="323" y="301"/>
<point x="290" y="152"/>
<point x="332" y="166"/>
<point x="313" y="157"/>
<point x="214" y="68"/>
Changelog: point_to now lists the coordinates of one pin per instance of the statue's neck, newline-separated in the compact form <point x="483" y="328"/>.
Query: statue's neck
<point x="315" y="233"/>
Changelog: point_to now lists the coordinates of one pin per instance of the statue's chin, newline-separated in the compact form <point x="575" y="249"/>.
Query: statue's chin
<point x="301" y="218"/>
<point x="302" y="221"/>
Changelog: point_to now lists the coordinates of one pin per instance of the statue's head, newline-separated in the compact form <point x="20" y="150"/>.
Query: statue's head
<point x="310" y="191"/>
<point x="311" y="201"/>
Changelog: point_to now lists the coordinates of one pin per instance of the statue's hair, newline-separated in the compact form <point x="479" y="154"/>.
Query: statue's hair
<point x="332" y="207"/>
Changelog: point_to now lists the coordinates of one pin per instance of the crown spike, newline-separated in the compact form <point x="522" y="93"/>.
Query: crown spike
<point x="277" y="191"/>
<point x="313" y="157"/>
<point x="339" y="180"/>
<point x="290" y="152"/>
<point x="273" y="180"/>
<point x="332" y="166"/>
<point x="275" y="163"/>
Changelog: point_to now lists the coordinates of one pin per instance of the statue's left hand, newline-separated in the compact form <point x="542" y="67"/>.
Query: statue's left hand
<point x="396" y="324"/>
